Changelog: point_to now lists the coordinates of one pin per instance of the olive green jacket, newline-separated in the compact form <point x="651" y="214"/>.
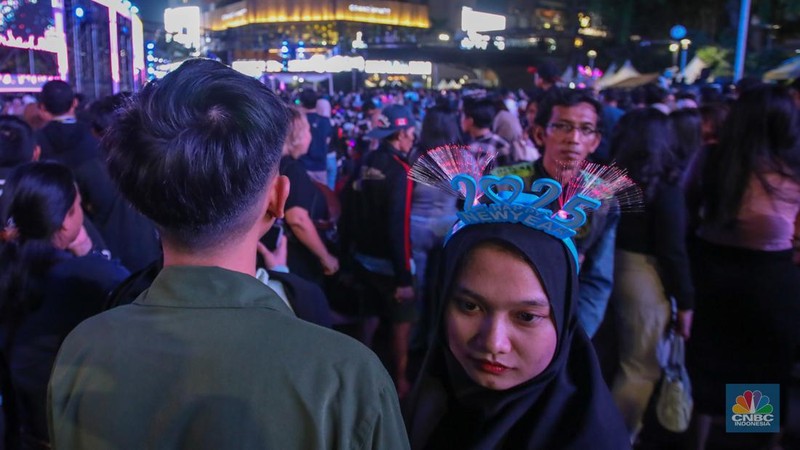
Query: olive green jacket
<point x="213" y="359"/>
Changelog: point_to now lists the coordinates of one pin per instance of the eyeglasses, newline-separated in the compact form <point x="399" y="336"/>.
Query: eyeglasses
<point x="567" y="128"/>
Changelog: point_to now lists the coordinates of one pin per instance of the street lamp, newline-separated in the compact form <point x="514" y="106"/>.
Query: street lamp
<point x="673" y="48"/>
<point x="684" y="46"/>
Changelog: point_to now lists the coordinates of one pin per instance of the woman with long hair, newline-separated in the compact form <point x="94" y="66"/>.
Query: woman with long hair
<point x="747" y="205"/>
<point x="687" y="124"/>
<point x="432" y="211"/>
<point x="45" y="290"/>
<point x="651" y="259"/>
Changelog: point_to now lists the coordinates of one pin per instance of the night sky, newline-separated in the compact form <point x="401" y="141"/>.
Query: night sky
<point x="151" y="10"/>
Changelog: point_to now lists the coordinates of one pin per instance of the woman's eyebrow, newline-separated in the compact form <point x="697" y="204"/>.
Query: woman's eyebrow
<point x="537" y="302"/>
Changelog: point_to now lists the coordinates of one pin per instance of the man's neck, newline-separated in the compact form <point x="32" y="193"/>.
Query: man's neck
<point x="64" y="118"/>
<point x="239" y="257"/>
<point x="560" y="173"/>
<point x="478" y="133"/>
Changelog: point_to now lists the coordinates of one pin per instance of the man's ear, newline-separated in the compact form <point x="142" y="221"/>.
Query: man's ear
<point x="37" y="153"/>
<point x="596" y="143"/>
<point x="44" y="113"/>
<point x="276" y="197"/>
<point x="538" y="136"/>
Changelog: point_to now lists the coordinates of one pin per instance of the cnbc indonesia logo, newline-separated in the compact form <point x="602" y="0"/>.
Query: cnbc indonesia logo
<point x="752" y="409"/>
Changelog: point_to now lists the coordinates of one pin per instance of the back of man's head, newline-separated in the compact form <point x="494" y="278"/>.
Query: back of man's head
<point x="16" y="142"/>
<point x="655" y="94"/>
<point x="308" y="98"/>
<point x="57" y="97"/>
<point x="481" y="111"/>
<point x="196" y="151"/>
<point x="566" y="98"/>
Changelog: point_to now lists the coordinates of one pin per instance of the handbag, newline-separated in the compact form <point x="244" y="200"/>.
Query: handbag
<point x="674" y="403"/>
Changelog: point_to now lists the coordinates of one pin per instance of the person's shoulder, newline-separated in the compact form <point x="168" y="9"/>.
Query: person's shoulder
<point x="92" y="266"/>
<point x="95" y="331"/>
<point x="291" y="167"/>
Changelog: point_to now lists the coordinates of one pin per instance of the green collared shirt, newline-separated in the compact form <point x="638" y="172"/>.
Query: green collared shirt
<point x="209" y="358"/>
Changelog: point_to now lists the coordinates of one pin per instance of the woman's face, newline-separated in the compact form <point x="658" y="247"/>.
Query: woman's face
<point x="303" y="137"/>
<point x="530" y="112"/>
<point x="498" y="320"/>
<point x="71" y="226"/>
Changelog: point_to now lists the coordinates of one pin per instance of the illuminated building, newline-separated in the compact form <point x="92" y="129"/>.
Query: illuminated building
<point x="96" y="45"/>
<point x="258" y="29"/>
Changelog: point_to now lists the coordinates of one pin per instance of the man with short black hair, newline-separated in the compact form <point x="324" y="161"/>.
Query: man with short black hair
<point x="130" y="236"/>
<point x="476" y="120"/>
<point x="568" y="129"/>
<point x="17" y="145"/>
<point x="208" y="356"/>
<point x="315" y="161"/>
<point x="64" y="139"/>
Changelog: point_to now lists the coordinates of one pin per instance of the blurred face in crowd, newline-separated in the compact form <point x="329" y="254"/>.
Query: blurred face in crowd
<point x="299" y="137"/>
<point x="498" y="320"/>
<point x="71" y="226"/>
<point x="570" y="137"/>
<point x="405" y="140"/>
<point x="530" y="112"/>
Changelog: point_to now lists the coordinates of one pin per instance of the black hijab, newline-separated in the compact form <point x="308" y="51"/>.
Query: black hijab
<point x="567" y="406"/>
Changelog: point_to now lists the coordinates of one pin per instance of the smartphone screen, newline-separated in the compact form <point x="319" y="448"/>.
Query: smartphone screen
<point x="270" y="240"/>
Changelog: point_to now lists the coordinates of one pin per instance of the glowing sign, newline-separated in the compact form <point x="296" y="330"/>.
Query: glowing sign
<point x="472" y="20"/>
<point x="232" y="15"/>
<point x="335" y="64"/>
<point x="320" y="64"/>
<point x="387" y="12"/>
<point x="399" y="68"/>
<point x="40" y="27"/>
<point x="251" y="68"/>
<point x="593" y="32"/>
<point x="369" y="9"/>
<point x="184" y="25"/>
<point x="23" y="82"/>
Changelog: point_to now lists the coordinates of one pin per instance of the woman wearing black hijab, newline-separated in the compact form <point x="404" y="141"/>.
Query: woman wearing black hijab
<point x="510" y="367"/>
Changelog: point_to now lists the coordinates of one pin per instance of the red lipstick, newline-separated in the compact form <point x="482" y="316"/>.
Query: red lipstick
<point x="492" y="367"/>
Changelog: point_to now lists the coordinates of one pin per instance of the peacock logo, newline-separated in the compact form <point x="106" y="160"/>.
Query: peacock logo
<point x="752" y="402"/>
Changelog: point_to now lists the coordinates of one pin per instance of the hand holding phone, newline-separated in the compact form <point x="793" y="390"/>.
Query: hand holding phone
<point x="273" y="236"/>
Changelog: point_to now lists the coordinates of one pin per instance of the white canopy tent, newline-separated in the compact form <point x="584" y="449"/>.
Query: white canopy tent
<point x="788" y="70"/>
<point x="626" y="71"/>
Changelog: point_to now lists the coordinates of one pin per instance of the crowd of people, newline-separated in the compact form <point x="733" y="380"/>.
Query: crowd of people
<point x="211" y="264"/>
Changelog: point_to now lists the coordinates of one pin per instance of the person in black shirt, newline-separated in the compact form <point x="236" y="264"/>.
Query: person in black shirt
<point x="306" y="205"/>
<point x="380" y="231"/>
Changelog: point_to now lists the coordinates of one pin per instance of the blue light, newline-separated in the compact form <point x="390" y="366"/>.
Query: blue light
<point x="677" y="32"/>
<point x="301" y="44"/>
<point x="127" y="4"/>
<point x="135" y="9"/>
<point x="284" y="49"/>
<point x="285" y="43"/>
<point x="79" y="12"/>
<point x="151" y="45"/>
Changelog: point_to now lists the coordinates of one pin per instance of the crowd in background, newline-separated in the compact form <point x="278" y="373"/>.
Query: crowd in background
<point x="717" y="237"/>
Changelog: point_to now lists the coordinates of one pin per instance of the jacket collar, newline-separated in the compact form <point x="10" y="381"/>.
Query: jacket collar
<point x="209" y="287"/>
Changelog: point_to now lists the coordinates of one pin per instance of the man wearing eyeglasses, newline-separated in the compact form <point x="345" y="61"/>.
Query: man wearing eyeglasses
<point x="567" y="130"/>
